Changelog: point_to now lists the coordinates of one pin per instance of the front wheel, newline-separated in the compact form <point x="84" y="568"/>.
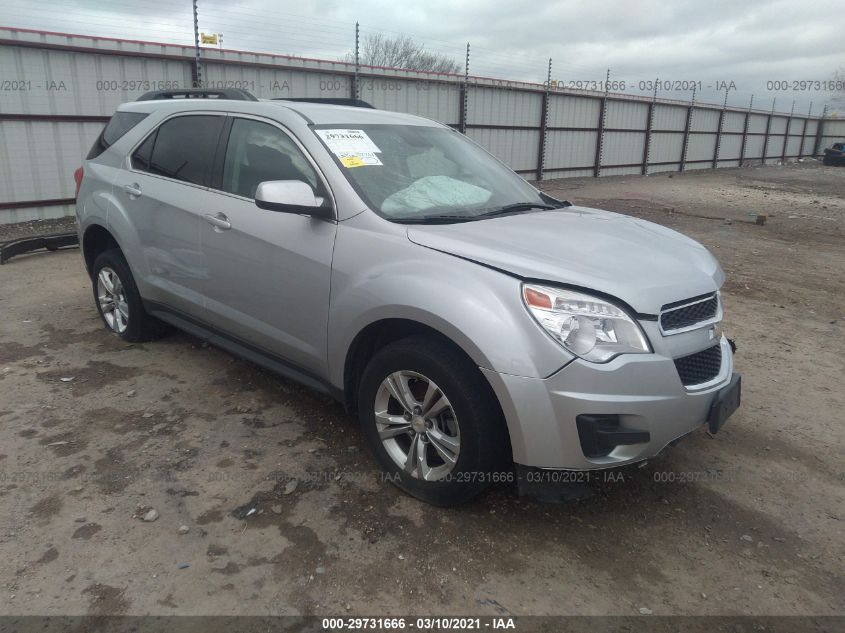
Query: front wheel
<point x="432" y="421"/>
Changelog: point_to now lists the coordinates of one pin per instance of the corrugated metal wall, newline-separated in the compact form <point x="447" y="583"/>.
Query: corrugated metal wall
<point x="832" y="132"/>
<point x="63" y="88"/>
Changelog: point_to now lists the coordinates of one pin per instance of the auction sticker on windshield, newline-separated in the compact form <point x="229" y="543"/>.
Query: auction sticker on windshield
<point x="343" y="141"/>
<point x="358" y="159"/>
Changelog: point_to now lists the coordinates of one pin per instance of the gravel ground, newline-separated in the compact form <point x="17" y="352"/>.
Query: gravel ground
<point x="749" y="521"/>
<point x="18" y="230"/>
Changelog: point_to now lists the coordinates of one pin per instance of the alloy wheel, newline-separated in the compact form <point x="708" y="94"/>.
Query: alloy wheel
<point x="112" y="298"/>
<point x="417" y="425"/>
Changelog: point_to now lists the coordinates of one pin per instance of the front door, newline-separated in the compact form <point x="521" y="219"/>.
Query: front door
<point x="269" y="272"/>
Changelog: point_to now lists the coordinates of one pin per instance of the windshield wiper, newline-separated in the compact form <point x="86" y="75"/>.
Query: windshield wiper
<point x="516" y="207"/>
<point x="436" y="219"/>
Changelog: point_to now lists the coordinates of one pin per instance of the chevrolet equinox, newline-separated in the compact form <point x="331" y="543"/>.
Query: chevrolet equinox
<point x="475" y="325"/>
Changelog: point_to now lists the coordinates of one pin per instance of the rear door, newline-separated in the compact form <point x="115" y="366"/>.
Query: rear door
<point x="166" y="193"/>
<point x="269" y="272"/>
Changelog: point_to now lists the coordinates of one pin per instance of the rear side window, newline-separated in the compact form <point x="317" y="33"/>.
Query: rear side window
<point x="182" y="148"/>
<point x="117" y="126"/>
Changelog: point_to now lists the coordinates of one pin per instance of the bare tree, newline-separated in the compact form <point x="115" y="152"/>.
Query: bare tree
<point x="402" y="52"/>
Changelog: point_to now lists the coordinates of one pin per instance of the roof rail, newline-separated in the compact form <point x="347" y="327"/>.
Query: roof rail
<point x="355" y="103"/>
<point x="235" y="94"/>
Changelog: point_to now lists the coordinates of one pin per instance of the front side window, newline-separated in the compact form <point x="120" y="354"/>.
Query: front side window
<point x="408" y="172"/>
<point x="182" y="148"/>
<point x="259" y="152"/>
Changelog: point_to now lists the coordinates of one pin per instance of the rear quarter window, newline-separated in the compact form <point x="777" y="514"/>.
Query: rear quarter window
<point x="118" y="125"/>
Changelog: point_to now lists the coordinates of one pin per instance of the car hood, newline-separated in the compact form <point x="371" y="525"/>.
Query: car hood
<point x="642" y="263"/>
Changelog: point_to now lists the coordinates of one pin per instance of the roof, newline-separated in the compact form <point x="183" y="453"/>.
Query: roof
<point x="322" y="113"/>
<point x="312" y="113"/>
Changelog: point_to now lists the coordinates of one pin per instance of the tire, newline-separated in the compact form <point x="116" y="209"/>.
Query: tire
<point x="127" y="318"/>
<point x="472" y="419"/>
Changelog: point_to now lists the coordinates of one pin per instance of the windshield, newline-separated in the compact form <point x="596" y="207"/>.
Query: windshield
<point x="411" y="172"/>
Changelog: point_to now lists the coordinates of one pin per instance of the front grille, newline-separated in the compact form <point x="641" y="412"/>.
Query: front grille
<point x="700" y="367"/>
<point x="677" y="318"/>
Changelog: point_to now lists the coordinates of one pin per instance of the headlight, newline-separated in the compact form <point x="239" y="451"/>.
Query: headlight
<point x="589" y="327"/>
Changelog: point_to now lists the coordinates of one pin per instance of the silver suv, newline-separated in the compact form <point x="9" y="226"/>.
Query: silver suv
<point x="479" y="329"/>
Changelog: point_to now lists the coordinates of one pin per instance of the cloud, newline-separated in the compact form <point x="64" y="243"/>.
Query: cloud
<point x="747" y="42"/>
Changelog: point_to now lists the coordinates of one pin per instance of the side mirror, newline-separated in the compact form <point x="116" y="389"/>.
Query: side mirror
<point x="290" y="196"/>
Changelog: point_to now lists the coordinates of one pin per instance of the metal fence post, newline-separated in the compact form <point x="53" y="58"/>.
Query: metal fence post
<point x="687" y="128"/>
<point x="462" y="124"/>
<point x="544" y="122"/>
<point x="745" y="132"/>
<point x="649" y="125"/>
<point x="768" y="128"/>
<point x="786" y="132"/>
<point x="719" y="130"/>
<point x="356" y="90"/>
<point x="197" y="70"/>
<point x="804" y="131"/>
<point x="600" y="131"/>
<point x="819" y="133"/>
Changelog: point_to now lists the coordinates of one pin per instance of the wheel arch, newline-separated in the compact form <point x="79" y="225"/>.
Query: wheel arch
<point x="96" y="239"/>
<point x="383" y="332"/>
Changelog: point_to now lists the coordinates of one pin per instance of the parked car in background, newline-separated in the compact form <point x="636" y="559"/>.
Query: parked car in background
<point x="834" y="155"/>
<point x="471" y="322"/>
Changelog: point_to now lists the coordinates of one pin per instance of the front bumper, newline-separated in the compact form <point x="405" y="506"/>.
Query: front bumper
<point x="643" y="392"/>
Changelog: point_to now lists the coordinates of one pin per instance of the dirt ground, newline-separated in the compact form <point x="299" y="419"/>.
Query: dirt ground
<point x="747" y="522"/>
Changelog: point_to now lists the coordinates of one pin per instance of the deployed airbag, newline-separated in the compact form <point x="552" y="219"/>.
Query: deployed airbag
<point x="433" y="192"/>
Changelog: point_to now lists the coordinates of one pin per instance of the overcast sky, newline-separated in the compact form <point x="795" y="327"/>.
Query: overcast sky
<point x="747" y="42"/>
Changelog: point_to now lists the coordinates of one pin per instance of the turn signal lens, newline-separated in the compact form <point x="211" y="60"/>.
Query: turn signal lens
<point x="537" y="299"/>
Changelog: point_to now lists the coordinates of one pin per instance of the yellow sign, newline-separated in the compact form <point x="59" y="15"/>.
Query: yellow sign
<point x="208" y="38"/>
<point x="351" y="161"/>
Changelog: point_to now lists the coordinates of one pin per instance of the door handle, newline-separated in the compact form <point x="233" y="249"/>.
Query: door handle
<point x="220" y="222"/>
<point x="134" y="190"/>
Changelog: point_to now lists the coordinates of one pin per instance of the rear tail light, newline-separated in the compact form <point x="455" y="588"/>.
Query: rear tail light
<point x="77" y="176"/>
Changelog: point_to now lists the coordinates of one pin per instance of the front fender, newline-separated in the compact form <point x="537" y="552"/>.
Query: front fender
<point x="377" y="274"/>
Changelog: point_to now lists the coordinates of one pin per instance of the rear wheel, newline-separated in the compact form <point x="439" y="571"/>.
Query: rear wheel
<point x="118" y="300"/>
<point x="432" y="421"/>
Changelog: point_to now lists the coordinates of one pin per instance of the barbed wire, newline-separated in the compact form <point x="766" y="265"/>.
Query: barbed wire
<point x="252" y="29"/>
